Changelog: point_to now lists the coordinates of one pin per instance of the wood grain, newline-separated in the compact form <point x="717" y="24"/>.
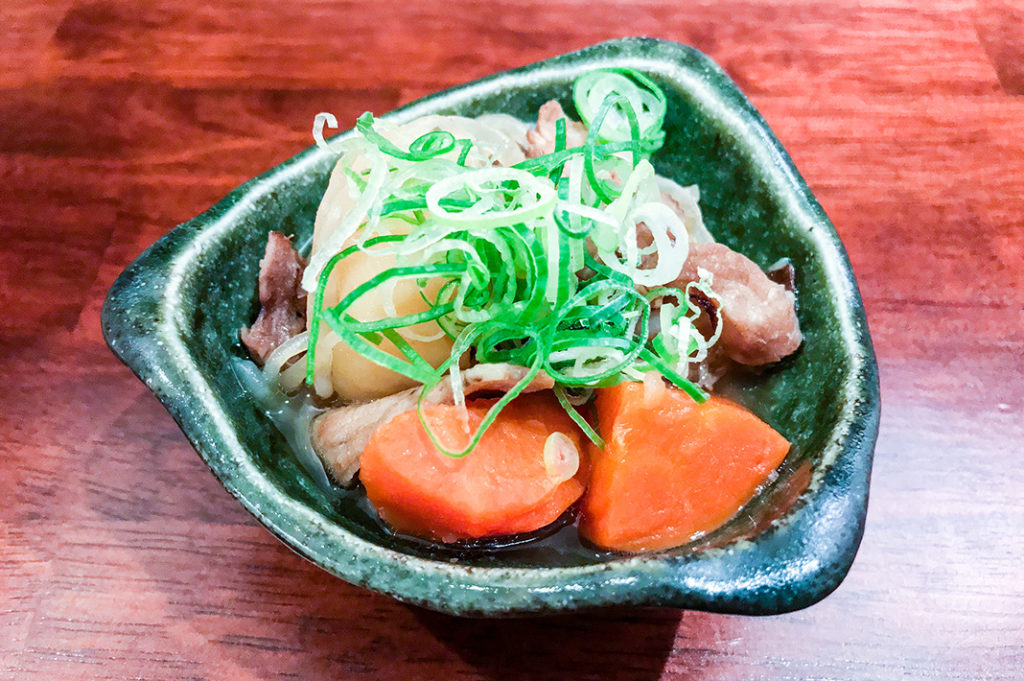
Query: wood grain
<point x="122" y="557"/>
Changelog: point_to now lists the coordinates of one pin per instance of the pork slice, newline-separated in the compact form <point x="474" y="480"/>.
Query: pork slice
<point x="282" y="300"/>
<point x="759" y="323"/>
<point x="491" y="378"/>
<point x="783" y="272"/>
<point x="541" y="139"/>
<point x="341" y="434"/>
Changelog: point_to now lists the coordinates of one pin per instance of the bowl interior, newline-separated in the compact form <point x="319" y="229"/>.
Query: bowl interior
<point x="196" y="288"/>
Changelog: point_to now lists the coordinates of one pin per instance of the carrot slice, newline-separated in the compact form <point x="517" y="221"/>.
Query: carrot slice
<point x="671" y="469"/>
<point x="504" y="486"/>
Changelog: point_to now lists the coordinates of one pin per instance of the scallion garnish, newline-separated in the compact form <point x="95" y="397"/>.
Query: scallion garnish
<point x="554" y="264"/>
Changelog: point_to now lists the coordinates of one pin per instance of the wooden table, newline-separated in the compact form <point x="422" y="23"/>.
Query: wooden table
<point x="122" y="557"/>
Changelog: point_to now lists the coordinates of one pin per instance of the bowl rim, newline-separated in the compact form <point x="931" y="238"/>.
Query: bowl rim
<point x="152" y="348"/>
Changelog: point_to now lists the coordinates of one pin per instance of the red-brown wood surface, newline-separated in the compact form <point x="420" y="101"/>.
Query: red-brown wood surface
<point x="122" y="557"/>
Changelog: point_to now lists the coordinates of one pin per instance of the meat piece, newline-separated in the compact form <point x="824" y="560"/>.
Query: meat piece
<point x="542" y="138"/>
<point x="783" y="272"/>
<point x="759" y="324"/>
<point x="708" y="308"/>
<point x="282" y="300"/>
<point x="491" y="378"/>
<point x="339" y="435"/>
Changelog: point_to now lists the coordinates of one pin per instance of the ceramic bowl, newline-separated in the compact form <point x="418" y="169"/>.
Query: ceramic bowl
<point x="173" y="317"/>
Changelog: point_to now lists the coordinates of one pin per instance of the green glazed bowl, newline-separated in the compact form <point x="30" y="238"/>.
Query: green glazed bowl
<point x="173" y="317"/>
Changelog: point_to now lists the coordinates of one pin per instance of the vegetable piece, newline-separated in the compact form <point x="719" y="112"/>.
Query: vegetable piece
<point x="671" y="469"/>
<point x="354" y="376"/>
<point x="507" y="486"/>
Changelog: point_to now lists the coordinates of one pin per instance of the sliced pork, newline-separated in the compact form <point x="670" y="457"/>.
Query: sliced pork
<point x="542" y="138"/>
<point x="759" y="323"/>
<point x="491" y="378"/>
<point x="282" y="300"/>
<point x="340" y="434"/>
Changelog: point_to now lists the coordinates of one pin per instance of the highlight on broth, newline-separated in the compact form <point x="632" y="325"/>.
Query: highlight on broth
<point x="506" y="323"/>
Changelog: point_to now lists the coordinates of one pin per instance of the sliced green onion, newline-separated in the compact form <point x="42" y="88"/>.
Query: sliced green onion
<point x="595" y="88"/>
<point x="575" y="415"/>
<point x="424" y="147"/>
<point x="554" y="264"/>
<point x="500" y="196"/>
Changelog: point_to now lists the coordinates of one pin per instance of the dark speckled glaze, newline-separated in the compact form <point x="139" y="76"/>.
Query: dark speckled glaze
<point x="173" y="317"/>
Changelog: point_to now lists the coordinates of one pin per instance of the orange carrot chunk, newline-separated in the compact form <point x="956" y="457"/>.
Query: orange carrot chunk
<point x="505" y="485"/>
<point x="671" y="468"/>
